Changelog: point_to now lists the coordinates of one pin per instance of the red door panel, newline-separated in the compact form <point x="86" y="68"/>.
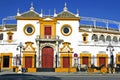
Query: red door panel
<point x="47" y="57"/>
<point x="28" y="62"/>
<point x="47" y="32"/>
<point x="102" y="60"/>
<point x="85" y="60"/>
<point x="66" y="62"/>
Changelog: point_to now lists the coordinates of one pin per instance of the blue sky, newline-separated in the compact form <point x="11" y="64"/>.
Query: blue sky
<point x="105" y="9"/>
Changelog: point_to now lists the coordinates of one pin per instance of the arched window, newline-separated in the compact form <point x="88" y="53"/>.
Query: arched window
<point x="115" y="39"/>
<point x="119" y="39"/>
<point x="1" y="36"/>
<point x="102" y="38"/>
<point x="94" y="37"/>
<point x="108" y="38"/>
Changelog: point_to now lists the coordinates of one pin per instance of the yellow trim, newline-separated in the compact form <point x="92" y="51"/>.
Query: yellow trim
<point x="85" y="35"/>
<point x="65" y="55"/>
<point x="103" y="70"/>
<point x="117" y="61"/>
<point x="31" y="69"/>
<point x="26" y="55"/>
<point x="10" y="60"/>
<point x="85" y="55"/>
<point x="70" y="28"/>
<point x="26" y="18"/>
<point x="66" y="44"/>
<point x="65" y="70"/>
<point x="51" y="23"/>
<point x="29" y="52"/>
<point x="24" y="29"/>
<point x="102" y="55"/>
<point x="31" y="46"/>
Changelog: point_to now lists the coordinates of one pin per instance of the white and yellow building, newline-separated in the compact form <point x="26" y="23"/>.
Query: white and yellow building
<point x="55" y="43"/>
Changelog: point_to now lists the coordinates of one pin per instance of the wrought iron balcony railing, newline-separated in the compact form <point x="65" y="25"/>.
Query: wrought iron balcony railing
<point x="47" y="38"/>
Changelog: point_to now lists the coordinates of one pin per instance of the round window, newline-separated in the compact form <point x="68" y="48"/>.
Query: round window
<point x="29" y="29"/>
<point x="66" y="30"/>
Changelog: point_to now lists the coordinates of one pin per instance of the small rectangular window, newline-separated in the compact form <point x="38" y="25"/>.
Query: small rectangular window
<point x="10" y="37"/>
<point x="84" y="38"/>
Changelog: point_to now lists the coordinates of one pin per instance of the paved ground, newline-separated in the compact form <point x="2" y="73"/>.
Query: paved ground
<point x="63" y="76"/>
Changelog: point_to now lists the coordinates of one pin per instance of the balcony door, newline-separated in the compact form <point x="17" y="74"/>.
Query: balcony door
<point x="47" y="32"/>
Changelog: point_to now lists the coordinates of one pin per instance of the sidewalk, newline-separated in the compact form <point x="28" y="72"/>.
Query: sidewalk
<point x="62" y="74"/>
<point x="71" y="74"/>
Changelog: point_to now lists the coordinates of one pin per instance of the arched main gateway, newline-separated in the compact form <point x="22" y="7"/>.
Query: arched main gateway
<point x="47" y="57"/>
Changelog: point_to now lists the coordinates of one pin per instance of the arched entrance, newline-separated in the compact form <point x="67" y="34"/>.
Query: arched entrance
<point x="47" y="57"/>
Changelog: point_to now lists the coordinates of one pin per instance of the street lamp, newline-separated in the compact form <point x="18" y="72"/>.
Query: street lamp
<point x="20" y="46"/>
<point x="111" y="49"/>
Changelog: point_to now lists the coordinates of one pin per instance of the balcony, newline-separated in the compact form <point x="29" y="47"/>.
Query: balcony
<point x="49" y="38"/>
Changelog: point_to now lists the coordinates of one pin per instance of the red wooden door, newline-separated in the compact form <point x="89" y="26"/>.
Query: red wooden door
<point x="28" y="62"/>
<point x="102" y="60"/>
<point x="47" y="57"/>
<point x="47" y="32"/>
<point x="66" y="62"/>
<point x="85" y="60"/>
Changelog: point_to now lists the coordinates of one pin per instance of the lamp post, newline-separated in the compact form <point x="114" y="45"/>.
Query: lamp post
<point x="20" y="46"/>
<point x="68" y="61"/>
<point x="56" y="59"/>
<point x="111" y="49"/>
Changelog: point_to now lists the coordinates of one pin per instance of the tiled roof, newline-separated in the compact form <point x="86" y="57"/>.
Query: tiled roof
<point x="31" y="14"/>
<point x="86" y="28"/>
<point x="10" y="27"/>
<point x="66" y="14"/>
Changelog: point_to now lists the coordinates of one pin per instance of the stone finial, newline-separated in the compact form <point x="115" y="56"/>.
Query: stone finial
<point x="65" y="7"/>
<point x="18" y="12"/>
<point x="41" y="14"/>
<point x="77" y="15"/>
<point x="55" y="12"/>
<point x="31" y="8"/>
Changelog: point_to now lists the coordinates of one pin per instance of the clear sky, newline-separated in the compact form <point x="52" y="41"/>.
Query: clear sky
<point x="105" y="9"/>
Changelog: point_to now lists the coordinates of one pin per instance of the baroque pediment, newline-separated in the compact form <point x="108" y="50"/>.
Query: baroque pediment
<point x="66" y="48"/>
<point x="29" y="46"/>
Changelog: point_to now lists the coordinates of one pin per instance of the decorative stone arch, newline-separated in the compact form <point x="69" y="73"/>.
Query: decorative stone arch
<point x="52" y="55"/>
<point x="48" y="44"/>
<point x="102" y="38"/>
<point x="108" y="38"/>
<point x="94" y="37"/>
<point x="115" y="39"/>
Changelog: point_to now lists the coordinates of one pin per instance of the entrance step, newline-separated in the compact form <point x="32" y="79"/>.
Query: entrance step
<point x="45" y="69"/>
<point x="6" y="70"/>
